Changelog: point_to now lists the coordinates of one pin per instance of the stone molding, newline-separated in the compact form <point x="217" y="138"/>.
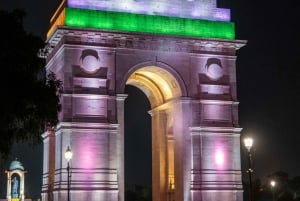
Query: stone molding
<point x="139" y="41"/>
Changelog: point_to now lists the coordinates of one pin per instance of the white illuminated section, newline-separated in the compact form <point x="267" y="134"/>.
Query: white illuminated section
<point x="177" y="8"/>
<point x="219" y="157"/>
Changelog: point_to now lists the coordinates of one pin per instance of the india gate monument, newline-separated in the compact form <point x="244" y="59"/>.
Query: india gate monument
<point x="182" y="55"/>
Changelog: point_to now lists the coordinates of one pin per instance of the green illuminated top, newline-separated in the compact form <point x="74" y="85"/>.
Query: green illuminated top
<point x="148" y="23"/>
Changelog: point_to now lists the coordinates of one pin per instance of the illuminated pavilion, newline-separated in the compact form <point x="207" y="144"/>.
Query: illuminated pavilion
<point x="15" y="181"/>
<point x="182" y="55"/>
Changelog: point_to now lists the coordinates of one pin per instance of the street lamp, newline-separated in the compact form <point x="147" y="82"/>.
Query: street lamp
<point x="273" y="184"/>
<point x="68" y="156"/>
<point x="248" y="142"/>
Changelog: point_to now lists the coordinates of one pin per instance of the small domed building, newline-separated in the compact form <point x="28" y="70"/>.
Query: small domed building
<point x="15" y="181"/>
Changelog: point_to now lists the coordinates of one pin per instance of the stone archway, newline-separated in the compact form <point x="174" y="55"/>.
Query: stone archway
<point x="189" y="77"/>
<point x="163" y="92"/>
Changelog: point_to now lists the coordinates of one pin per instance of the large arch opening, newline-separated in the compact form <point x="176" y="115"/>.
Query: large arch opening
<point x="158" y="84"/>
<point x="138" y="170"/>
<point x="162" y="89"/>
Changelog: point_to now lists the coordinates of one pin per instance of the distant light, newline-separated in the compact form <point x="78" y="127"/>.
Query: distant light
<point x="272" y="183"/>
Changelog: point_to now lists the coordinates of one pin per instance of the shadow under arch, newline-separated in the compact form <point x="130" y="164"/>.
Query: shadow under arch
<point x="137" y="146"/>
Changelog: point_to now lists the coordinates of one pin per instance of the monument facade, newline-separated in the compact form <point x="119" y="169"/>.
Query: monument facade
<point x="182" y="55"/>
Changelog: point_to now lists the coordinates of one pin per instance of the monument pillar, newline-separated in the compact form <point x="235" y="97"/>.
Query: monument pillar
<point x="120" y="145"/>
<point x="159" y="156"/>
<point x="48" y="164"/>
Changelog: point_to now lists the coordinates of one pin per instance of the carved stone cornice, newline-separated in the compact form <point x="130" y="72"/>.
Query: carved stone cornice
<point x="140" y="41"/>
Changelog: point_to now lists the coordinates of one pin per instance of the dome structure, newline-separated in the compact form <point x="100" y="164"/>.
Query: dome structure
<point x="15" y="165"/>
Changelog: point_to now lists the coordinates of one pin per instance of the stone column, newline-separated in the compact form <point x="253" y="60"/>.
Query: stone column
<point x="48" y="164"/>
<point x="120" y="145"/>
<point x="159" y="156"/>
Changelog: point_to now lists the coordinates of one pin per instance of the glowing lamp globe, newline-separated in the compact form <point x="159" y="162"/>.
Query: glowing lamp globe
<point x="272" y="183"/>
<point x="68" y="154"/>
<point x="248" y="143"/>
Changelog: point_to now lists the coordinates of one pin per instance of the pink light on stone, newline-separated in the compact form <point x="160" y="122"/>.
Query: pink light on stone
<point x="220" y="158"/>
<point x="91" y="150"/>
<point x="87" y="152"/>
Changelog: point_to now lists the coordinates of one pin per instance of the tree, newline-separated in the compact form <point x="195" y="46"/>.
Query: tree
<point x="294" y="185"/>
<point x="30" y="98"/>
<point x="138" y="193"/>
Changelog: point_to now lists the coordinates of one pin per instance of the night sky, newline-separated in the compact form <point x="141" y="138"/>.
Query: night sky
<point x="268" y="82"/>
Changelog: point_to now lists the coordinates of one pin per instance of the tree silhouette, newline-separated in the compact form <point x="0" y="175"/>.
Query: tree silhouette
<point x="29" y="97"/>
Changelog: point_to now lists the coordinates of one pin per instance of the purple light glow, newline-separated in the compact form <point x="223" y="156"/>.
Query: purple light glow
<point x="222" y="14"/>
<point x="91" y="150"/>
<point x="88" y="157"/>
<point x="178" y="8"/>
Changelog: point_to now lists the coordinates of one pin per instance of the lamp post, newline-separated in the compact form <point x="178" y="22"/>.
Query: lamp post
<point x="248" y="142"/>
<point x="273" y="184"/>
<point x="68" y="156"/>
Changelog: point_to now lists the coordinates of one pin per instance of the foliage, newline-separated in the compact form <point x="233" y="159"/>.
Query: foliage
<point x="30" y="98"/>
<point x="285" y="189"/>
<point x="294" y="185"/>
<point x="138" y="193"/>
